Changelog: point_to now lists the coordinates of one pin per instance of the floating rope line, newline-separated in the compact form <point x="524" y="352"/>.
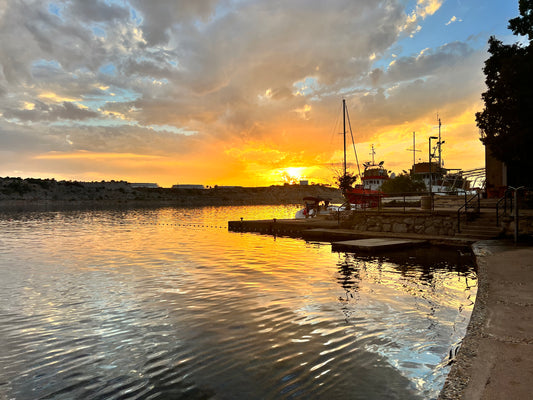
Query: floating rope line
<point x="185" y="225"/>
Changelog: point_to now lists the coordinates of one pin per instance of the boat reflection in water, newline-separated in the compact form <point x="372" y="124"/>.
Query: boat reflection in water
<point x="167" y="303"/>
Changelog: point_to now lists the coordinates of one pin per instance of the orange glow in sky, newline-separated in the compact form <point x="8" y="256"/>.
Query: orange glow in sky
<point x="239" y="93"/>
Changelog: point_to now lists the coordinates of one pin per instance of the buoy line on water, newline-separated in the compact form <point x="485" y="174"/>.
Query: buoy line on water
<point x="184" y="225"/>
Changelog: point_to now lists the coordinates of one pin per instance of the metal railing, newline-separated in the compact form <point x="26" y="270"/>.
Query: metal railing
<point x="466" y="206"/>
<point x="507" y="197"/>
<point x="401" y="200"/>
<point x="347" y="207"/>
<point x="516" y="202"/>
<point x="513" y="198"/>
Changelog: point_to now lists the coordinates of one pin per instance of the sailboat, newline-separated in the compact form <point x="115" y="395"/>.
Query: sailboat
<point x="368" y="193"/>
<point x="361" y="196"/>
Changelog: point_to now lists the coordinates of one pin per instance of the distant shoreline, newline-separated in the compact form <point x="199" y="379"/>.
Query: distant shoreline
<point x="38" y="194"/>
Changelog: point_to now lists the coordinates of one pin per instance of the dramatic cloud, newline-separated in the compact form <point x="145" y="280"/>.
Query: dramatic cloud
<point x="232" y="90"/>
<point x="40" y="111"/>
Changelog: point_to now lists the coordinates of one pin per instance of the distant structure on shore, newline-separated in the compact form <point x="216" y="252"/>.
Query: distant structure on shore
<point x="187" y="186"/>
<point x="144" y="185"/>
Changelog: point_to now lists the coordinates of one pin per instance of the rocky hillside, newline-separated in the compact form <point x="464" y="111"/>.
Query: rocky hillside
<point x="50" y="191"/>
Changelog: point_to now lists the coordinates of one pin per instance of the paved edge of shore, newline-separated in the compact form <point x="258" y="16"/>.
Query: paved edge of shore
<point x="459" y="376"/>
<point x="496" y="356"/>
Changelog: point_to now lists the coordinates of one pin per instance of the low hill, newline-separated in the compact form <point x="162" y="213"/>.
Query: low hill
<point x="18" y="191"/>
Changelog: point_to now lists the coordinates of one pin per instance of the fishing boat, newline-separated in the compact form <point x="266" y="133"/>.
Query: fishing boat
<point x="374" y="174"/>
<point x="442" y="180"/>
<point x="363" y="198"/>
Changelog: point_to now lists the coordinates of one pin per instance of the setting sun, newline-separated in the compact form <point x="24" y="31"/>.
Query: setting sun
<point x="290" y="175"/>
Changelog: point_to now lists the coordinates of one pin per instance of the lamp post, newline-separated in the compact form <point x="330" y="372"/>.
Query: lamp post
<point x="430" y="172"/>
<point x="516" y="211"/>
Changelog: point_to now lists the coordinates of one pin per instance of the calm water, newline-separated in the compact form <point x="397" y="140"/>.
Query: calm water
<point x="167" y="304"/>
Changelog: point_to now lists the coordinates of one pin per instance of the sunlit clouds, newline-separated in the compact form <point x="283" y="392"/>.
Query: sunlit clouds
<point x="237" y="92"/>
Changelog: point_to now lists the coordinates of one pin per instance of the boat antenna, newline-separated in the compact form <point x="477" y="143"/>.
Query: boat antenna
<point x="414" y="150"/>
<point x="353" y="144"/>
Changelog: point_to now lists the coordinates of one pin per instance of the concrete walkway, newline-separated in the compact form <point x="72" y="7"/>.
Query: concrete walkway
<point x="496" y="358"/>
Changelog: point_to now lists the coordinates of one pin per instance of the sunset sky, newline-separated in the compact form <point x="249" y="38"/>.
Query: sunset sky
<point x="238" y="92"/>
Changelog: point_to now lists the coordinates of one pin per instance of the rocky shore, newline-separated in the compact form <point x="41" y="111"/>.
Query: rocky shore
<point x="49" y="192"/>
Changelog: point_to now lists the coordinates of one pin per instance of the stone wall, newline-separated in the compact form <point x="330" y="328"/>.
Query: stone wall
<point x="436" y="223"/>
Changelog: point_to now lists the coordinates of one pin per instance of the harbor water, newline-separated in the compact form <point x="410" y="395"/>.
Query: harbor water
<point x="167" y="304"/>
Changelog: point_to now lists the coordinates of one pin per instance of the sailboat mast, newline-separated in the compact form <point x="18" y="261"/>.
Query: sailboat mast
<point x="344" y="131"/>
<point x="440" y="142"/>
<point x="414" y="150"/>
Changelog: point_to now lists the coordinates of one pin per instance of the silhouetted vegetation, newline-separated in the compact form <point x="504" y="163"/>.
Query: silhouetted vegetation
<point x="505" y="123"/>
<point x="16" y="185"/>
<point x="35" y="191"/>
<point x="403" y="183"/>
<point x="345" y="181"/>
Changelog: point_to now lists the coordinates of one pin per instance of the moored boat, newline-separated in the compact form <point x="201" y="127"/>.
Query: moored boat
<point x="368" y="193"/>
<point x="374" y="174"/>
<point x="317" y="206"/>
<point x="363" y="198"/>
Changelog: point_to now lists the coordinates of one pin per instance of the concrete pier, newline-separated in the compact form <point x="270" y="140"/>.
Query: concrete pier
<point x="330" y="231"/>
<point x="281" y="227"/>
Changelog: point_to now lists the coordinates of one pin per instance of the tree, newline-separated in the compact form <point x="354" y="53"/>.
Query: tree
<point x="523" y="25"/>
<point x="506" y="123"/>
<point x="403" y="183"/>
<point x="345" y="181"/>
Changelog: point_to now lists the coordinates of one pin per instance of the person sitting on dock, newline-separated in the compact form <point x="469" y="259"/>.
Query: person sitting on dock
<point x="307" y="210"/>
